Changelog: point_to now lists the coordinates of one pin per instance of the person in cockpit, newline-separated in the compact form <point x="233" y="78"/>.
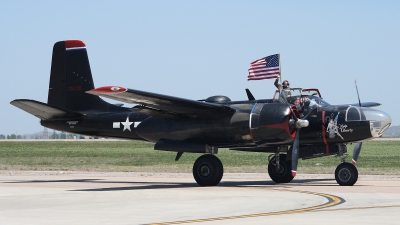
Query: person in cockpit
<point x="306" y="105"/>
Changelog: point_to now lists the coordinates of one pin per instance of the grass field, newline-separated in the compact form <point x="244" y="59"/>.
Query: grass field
<point x="377" y="157"/>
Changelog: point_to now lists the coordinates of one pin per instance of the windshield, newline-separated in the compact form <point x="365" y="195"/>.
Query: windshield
<point x="316" y="101"/>
<point x="309" y="97"/>
<point x="313" y="100"/>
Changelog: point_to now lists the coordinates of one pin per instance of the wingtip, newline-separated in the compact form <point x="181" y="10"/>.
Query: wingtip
<point x="107" y="90"/>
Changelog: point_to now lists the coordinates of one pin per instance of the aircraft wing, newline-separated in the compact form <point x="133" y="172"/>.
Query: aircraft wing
<point x="44" y="111"/>
<point x="156" y="104"/>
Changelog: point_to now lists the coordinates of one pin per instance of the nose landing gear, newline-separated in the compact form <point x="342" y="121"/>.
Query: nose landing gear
<point x="346" y="174"/>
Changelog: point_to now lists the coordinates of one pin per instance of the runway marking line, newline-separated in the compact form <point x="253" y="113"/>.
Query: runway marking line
<point x="361" y="207"/>
<point x="332" y="201"/>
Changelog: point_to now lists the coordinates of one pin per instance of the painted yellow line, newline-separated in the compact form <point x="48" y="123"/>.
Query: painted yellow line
<point x="361" y="207"/>
<point x="332" y="201"/>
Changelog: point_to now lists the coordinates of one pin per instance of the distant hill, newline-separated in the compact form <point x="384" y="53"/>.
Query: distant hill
<point x="393" y="131"/>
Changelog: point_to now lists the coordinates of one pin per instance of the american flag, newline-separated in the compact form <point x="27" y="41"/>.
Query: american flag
<point x="264" y="68"/>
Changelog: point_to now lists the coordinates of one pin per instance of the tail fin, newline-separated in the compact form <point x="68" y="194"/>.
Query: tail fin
<point x="71" y="77"/>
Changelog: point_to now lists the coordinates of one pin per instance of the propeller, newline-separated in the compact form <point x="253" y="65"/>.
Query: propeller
<point x="296" y="144"/>
<point x="295" y="152"/>
<point x="298" y="124"/>
<point x="358" y="145"/>
<point x="356" y="153"/>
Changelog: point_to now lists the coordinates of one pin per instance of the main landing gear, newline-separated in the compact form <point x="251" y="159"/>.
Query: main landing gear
<point x="279" y="169"/>
<point x="208" y="170"/>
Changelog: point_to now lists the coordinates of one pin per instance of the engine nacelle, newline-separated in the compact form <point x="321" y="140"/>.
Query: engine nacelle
<point x="270" y="123"/>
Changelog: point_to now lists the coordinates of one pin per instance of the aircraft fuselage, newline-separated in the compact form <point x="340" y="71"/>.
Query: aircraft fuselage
<point x="269" y="126"/>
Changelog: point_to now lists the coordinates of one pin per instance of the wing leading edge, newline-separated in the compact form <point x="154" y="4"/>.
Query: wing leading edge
<point x="162" y="105"/>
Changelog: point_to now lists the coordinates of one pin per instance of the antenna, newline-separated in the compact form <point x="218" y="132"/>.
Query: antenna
<point x="249" y="95"/>
<point x="359" y="102"/>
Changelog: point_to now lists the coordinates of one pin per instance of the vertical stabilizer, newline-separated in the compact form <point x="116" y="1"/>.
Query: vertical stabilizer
<point x="70" y="78"/>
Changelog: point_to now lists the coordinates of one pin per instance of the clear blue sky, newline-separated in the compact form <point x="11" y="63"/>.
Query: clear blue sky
<point x="196" y="49"/>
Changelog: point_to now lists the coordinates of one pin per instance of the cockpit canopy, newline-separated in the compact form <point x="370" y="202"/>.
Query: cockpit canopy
<point x="310" y="97"/>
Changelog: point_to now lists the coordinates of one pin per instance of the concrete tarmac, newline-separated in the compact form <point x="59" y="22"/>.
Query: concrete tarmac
<point x="160" y="198"/>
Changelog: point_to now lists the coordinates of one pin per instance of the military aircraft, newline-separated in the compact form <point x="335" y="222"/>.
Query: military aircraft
<point x="290" y="127"/>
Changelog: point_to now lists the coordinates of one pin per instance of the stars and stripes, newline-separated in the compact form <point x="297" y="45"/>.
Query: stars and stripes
<point x="264" y="68"/>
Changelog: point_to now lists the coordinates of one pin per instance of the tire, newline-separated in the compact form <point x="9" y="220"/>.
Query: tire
<point x="284" y="174"/>
<point x="346" y="174"/>
<point x="208" y="170"/>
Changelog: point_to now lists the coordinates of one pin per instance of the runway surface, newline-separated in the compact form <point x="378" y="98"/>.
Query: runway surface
<point x="153" y="198"/>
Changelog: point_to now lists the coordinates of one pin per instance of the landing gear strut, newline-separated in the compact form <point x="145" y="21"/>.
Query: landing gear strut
<point x="208" y="170"/>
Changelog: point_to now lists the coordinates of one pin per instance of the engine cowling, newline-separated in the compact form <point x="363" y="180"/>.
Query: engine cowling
<point x="271" y="123"/>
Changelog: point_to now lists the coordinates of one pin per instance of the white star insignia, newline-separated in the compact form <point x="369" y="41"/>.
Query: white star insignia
<point x="127" y="124"/>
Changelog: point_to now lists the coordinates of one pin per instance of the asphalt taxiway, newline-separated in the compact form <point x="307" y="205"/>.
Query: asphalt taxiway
<point x="160" y="198"/>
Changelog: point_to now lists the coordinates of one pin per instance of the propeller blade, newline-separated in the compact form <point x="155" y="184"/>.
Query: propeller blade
<point x="298" y="123"/>
<point x="295" y="152"/>
<point x="356" y="153"/>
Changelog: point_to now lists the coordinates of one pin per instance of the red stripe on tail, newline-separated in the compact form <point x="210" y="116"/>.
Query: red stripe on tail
<point x="74" y="44"/>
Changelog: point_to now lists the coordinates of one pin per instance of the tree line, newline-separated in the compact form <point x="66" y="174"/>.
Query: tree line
<point x="12" y="136"/>
<point x="50" y="136"/>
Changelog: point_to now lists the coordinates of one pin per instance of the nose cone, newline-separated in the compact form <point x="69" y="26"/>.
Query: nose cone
<point x="379" y="121"/>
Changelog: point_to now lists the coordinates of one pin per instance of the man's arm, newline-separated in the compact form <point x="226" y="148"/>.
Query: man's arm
<point x="276" y="83"/>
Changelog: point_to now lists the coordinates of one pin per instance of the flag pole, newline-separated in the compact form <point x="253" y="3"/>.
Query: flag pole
<point x="280" y="69"/>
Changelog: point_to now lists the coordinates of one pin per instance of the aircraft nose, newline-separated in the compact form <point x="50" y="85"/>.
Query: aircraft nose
<point x="379" y="121"/>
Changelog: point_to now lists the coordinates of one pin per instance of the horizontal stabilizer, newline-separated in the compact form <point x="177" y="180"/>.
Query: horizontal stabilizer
<point x="44" y="111"/>
<point x="367" y="104"/>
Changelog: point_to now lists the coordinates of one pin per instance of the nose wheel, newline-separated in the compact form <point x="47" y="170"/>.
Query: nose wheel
<point x="346" y="174"/>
